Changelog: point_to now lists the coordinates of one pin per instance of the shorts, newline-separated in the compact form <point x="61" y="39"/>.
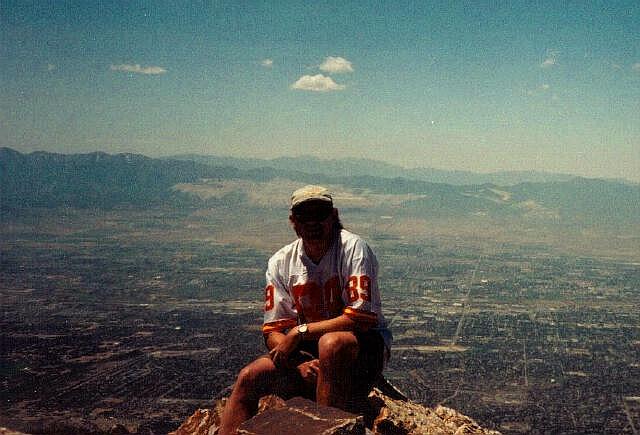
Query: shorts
<point x="369" y="363"/>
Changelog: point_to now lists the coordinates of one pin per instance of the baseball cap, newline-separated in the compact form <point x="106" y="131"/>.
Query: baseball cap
<point x="310" y="193"/>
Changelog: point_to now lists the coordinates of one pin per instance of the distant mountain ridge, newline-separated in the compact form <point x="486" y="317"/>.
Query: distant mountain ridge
<point x="366" y="167"/>
<point x="42" y="179"/>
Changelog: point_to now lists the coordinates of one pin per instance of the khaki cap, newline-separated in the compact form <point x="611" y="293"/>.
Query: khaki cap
<point x="310" y="193"/>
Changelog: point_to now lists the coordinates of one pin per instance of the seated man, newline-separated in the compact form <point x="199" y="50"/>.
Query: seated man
<point x="323" y="322"/>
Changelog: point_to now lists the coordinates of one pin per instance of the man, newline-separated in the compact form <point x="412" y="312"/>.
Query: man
<point x="323" y="323"/>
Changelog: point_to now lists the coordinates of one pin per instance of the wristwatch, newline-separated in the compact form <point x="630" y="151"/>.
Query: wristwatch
<point x="302" y="330"/>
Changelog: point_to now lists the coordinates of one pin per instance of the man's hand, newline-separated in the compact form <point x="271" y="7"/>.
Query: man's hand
<point x="280" y="354"/>
<point x="309" y="371"/>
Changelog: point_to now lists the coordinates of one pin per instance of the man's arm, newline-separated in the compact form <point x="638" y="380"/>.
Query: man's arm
<point x="284" y="345"/>
<point x="318" y="329"/>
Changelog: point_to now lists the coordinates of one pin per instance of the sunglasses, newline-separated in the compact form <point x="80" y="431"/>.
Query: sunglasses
<point x="315" y="214"/>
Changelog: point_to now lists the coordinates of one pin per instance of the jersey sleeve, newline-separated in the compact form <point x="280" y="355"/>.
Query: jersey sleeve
<point x="361" y="295"/>
<point x="279" y="308"/>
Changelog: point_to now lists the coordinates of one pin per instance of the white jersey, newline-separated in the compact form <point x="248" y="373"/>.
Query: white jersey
<point x="345" y="281"/>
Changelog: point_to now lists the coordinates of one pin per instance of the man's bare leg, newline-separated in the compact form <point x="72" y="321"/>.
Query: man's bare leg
<point x="257" y="379"/>
<point x="338" y="352"/>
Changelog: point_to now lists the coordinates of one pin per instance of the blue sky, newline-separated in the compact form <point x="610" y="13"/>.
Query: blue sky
<point x="481" y="86"/>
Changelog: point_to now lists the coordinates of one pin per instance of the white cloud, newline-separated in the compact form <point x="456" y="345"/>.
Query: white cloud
<point x="148" y="70"/>
<point x="317" y="83"/>
<point x="551" y="60"/>
<point x="267" y="63"/>
<point x="336" y="65"/>
<point x="636" y="66"/>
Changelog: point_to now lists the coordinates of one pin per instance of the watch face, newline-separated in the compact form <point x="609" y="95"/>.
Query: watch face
<point x="302" y="328"/>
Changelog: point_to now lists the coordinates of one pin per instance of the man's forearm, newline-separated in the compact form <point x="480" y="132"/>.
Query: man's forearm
<point x="315" y="330"/>
<point x="318" y="329"/>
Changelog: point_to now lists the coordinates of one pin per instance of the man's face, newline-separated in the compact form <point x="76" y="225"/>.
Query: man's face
<point x="313" y="220"/>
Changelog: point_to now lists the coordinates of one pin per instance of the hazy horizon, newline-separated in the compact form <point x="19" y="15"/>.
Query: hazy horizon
<point x="474" y="87"/>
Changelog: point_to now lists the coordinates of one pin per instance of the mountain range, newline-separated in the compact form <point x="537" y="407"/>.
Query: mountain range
<point x="367" y="167"/>
<point x="102" y="180"/>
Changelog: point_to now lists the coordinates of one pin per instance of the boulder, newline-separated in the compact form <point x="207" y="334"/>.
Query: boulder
<point x="302" y="416"/>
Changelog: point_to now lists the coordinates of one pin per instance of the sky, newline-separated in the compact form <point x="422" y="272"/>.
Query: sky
<point x="468" y="85"/>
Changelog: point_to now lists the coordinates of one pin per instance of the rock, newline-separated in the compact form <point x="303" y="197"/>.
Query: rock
<point x="203" y="421"/>
<point x="271" y="402"/>
<point x="298" y="416"/>
<point x="403" y="417"/>
<point x="462" y="424"/>
<point x="302" y="416"/>
<point x="396" y="417"/>
<point x="5" y="431"/>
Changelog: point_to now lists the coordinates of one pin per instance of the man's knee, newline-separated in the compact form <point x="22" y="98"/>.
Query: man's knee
<point x="256" y="374"/>
<point x="338" y="346"/>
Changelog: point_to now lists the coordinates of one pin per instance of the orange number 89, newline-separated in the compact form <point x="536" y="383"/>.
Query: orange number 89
<point x="364" y="283"/>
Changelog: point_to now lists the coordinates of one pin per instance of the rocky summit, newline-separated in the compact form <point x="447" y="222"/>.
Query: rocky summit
<point x="387" y="416"/>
